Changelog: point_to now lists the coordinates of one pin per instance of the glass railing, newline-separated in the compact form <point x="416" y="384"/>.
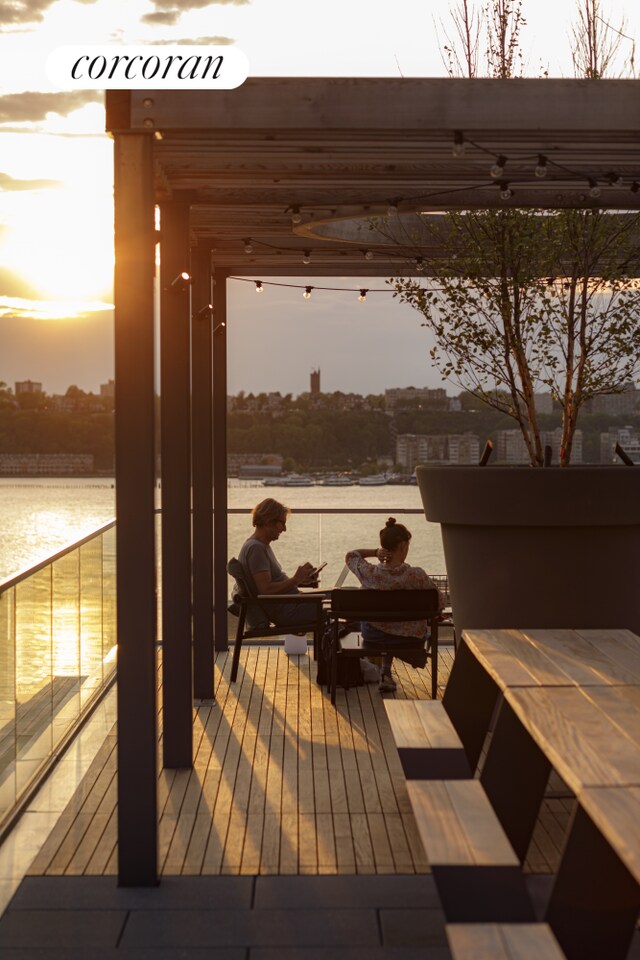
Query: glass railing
<point x="57" y="655"/>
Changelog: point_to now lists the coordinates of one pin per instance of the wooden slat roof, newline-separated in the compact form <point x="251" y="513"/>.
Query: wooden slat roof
<point x="341" y="150"/>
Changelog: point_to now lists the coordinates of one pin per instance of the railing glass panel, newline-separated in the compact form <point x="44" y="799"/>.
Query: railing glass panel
<point x="57" y="652"/>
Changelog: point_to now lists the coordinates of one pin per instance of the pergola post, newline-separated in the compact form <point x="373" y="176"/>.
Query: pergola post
<point x="202" y="472"/>
<point x="220" y="497"/>
<point x="135" y="528"/>
<point x="177" y="675"/>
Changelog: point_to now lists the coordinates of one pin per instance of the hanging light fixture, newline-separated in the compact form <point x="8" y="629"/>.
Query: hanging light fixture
<point x="541" y="167"/>
<point x="498" y="167"/>
<point x="306" y="256"/>
<point x="368" y="254"/>
<point x="248" y="246"/>
<point x="594" y="189"/>
<point x="259" y="287"/>
<point x="363" y="296"/>
<point x="505" y="190"/>
<point x="458" y="143"/>
<point x="296" y="216"/>
<point x="307" y="293"/>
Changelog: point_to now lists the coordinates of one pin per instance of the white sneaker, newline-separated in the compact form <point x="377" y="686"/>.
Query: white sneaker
<point x="370" y="673"/>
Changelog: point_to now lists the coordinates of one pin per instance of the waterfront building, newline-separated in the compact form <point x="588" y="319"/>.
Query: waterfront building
<point x="511" y="448"/>
<point x="412" y="449"/>
<point x="27" y="386"/>
<point x="628" y="438"/>
<point x="45" y="464"/>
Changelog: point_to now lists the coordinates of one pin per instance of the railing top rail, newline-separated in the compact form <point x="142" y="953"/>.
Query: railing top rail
<point x="338" y="510"/>
<point x="25" y="574"/>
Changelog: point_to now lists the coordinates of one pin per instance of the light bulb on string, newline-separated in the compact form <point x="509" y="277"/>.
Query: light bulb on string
<point x="541" y="167"/>
<point x="307" y="293"/>
<point x="458" y="144"/>
<point x="498" y="167"/>
<point x="306" y="256"/>
<point x="505" y="190"/>
<point x="259" y="287"/>
<point x="419" y="264"/>
<point x="635" y="187"/>
<point x="296" y="216"/>
<point x="248" y="246"/>
<point x="363" y="296"/>
<point x="594" y="189"/>
<point x="368" y="254"/>
<point x="615" y="180"/>
<point x="392" y="209"/>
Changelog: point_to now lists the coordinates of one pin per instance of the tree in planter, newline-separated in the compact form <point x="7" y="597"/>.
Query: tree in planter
<point x="525" y="299"/>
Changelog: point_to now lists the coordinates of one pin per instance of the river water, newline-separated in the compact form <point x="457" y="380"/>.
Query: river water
<point x="38" y="517"/>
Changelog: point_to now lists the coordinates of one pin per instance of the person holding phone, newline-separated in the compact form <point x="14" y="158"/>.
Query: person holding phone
<point x="262" y="569"/>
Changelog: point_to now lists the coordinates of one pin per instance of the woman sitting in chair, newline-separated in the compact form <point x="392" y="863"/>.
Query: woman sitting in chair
<point x="392" y="573"/>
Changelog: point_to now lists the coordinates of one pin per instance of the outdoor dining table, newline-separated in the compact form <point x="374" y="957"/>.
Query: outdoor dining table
<point x="567" y="700"/>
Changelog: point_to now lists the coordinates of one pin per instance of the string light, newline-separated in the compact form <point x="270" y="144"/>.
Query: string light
<point x="541" y="167"/>
<point x="259" y="287"/>
<point x="594" y="189"/>
<point x="248" y="246"/>
<point x="615" y="180"/>
<point x="505" y="190"/>
<point x="498" y="167"/>
<point x="458" y="143"/>
<point x="368" y="254"/>
<point x="392" y="209"/>
<point x="635" y="186"/>
<point x="306" y="256"/>
<point x="296" y="216"/>
<point x="307" y="293"/>
<point x="363" y="295"/>
<point x="419" y="265"/>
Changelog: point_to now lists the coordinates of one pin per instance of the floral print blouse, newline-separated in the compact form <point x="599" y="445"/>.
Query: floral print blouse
<point x="379" y="576"/>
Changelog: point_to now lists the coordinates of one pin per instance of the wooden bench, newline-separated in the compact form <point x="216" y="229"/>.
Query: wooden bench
<point x="428" y="745"/>
<point x="474" y="866"/>
<point x="502" y="941"/>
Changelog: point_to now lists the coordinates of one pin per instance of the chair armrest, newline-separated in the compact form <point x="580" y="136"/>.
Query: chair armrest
<point x="267" y="598"/>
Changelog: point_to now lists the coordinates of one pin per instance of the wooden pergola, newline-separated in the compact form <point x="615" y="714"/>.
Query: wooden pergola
<point x="247" y="180"/>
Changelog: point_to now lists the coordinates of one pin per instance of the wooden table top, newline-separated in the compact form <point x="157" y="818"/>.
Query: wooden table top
<point x="616" y="813"/>
<point x="591" y="735"/>
<point x="557" y="658"/>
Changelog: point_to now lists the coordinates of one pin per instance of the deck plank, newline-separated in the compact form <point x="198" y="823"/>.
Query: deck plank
<point x="282" y="783"/>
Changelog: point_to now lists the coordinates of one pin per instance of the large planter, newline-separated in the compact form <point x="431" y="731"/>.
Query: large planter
<point x="546" y="548"/>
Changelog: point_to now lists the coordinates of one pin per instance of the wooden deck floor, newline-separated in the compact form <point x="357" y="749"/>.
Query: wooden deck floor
<point x="282" y="784"/>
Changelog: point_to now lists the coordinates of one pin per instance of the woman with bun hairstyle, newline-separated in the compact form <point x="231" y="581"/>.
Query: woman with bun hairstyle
<point x="392" y="572"/>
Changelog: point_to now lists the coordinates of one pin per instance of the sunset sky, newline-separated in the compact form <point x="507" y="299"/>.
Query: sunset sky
<point x="56" y="238"/>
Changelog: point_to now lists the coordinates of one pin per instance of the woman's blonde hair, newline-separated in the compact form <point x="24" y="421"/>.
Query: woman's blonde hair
<point x="267" y="511"/>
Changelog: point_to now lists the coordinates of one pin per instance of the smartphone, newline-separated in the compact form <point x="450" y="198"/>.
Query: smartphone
<point x="314" y="573"/>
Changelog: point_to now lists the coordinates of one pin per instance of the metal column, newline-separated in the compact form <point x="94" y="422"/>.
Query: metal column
<point x="202" y="471"/>
<point x="177" y="673"/>
<point x="220" y="500"/>
<point x="135" y="532"/>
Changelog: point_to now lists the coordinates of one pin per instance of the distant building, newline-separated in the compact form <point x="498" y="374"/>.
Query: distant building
<point x="615" y="404"/>
<point x="413" y="448"/>
<point x="511" y="448"/>
<point x="108" y="389"/>
<point x="27" y="386"/>
<point x="628" y="438"/>
<point x="254" y="464"/>
<point x="45" y="464"/>
<point x="315" y="383"/>
<point x="415" y="397"/>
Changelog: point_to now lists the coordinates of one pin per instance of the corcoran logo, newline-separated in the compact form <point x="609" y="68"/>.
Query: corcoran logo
<point x="147" y="67"/>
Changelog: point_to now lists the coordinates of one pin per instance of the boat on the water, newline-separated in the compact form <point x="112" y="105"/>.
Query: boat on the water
<point x="272" y="482"/>
<point x="298" y="480"/>
<point x="338" y="481"/>
<point x="375" y="480"/>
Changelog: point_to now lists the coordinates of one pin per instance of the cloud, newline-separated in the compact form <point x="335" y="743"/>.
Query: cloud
<point x="8" y="183"/>
<point x="16" y="307"/>
<point x="26" y="11"/>
<point x="168" y="12"/>
<point x="14" y="286"/>
<point x="32" y="107"/>
<point x="197" y="42"/>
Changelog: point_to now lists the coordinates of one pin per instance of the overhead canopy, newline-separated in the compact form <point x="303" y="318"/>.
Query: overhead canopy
<point x="331" y="153"/>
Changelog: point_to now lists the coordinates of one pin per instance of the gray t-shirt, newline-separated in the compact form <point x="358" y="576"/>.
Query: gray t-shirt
<point x="258" y="557"/>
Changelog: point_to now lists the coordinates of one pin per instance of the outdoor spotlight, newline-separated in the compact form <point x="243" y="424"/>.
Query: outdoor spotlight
<point x="594" y="189"/>
<point x="306" y="256"/>
<point x="363" y="296"/>
<point x="498" y="167"/>
<point x="307" y="293"/>
<point x="541" y="167"/>
<point x="220" y="326"/>
<point x="204" y="312"/>
<point x="182" y="282"/>
<point x="458" y="144"/>
<point x="259" y="287"/>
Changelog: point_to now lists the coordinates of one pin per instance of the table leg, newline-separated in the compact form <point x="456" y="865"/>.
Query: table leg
<point x="595" y="900"/>
<point x="469" y="699"/>
<point x="514" y="777"/>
